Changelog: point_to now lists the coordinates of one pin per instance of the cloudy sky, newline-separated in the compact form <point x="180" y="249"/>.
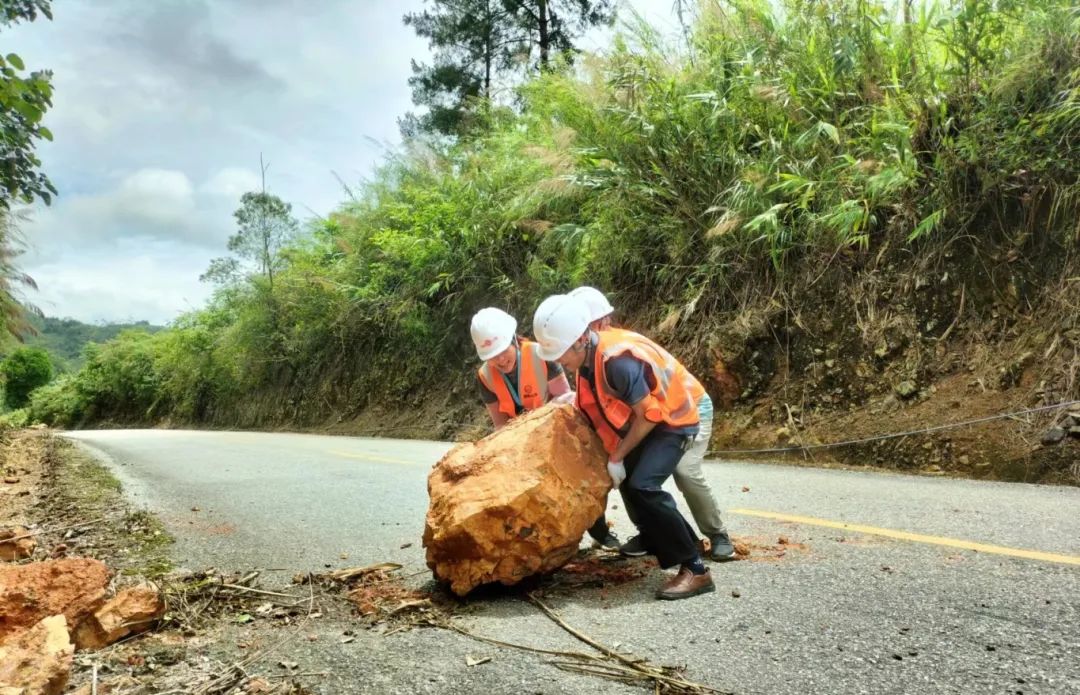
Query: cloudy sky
<point x="161" y="110"/>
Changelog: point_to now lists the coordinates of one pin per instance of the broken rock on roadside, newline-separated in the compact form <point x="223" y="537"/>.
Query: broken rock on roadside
<point x="37" y="661"/>
<point x="133" y="610"/>
<point x="16" y="543"/>
<point x="74" y="587"/>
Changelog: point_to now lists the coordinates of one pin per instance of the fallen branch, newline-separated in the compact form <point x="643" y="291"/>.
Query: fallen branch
<point x="625" y="669"/>
<point x="406" y="605"/>
<point x="248" y="578"/>
<point x="350" y="573"/>
<point x="261" y="592"/>
<point x="607" y="663"/>
<point x="578" y="635"/>
<point x="31" y="534"/>
<point x="234" y="676"/>
<point x="227" y="678"/>
<point x="664" y="678"/>
<point x="603" y="670"/>
<point x="513" y="645"/>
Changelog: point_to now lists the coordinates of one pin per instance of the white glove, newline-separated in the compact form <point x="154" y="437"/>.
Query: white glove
<point x="617" y="472"/>
<point x="564" y="399"/>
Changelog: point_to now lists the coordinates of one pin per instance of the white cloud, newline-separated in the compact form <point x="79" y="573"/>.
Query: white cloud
<point x="149" y="198"/>
<point x="123" y="282"/>
<point x="232" y="183"/>
<point x="158" y="204"/>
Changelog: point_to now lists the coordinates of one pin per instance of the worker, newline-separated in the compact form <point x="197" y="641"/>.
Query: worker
<point x="689" y="475"/>
<point x="642" y="403"/>
<point x="514" y="378"/>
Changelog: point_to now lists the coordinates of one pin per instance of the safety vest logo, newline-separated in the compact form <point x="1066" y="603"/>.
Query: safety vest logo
<point x="528" y="391"/>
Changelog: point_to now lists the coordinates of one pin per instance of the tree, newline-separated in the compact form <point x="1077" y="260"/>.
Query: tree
<point x="23" y="103"/>
<point x="473" y="40"/>
<point x="24" y="370"/>
<point x="477" y="41"/>
<point x="556" y="24"/>
<point x="264" y="225"/>
<point x="13" y="312"/>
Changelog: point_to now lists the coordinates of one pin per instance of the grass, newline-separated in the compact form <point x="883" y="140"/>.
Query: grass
<point x="82" y="487"/>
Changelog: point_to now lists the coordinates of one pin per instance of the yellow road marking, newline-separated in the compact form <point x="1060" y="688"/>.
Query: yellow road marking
<point x="372" y="457"/>
<point x="914" y="537"/>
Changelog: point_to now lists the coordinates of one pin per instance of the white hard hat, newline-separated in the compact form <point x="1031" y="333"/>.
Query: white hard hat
<point x="558" y="322"/>
<point x="594" y="299"/>
<point x="492" y="332"/>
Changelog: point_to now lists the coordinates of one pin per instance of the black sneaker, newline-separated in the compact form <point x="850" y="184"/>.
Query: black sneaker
<point x="610" y="542"/>
<point x="635" y="547"/>
<point x="722" y="548"/>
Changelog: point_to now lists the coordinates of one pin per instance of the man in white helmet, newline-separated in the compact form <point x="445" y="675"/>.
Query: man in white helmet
<point x="642" y="403"/>
<point x="689" y="476"/>
<point x="514" y="379"/>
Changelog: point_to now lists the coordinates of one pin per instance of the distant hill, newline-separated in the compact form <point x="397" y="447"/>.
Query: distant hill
<point x="64" y="339"/>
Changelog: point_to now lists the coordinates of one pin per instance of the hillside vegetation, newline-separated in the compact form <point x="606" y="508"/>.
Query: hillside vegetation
<point x="847" y="216"/>
<point x="64" y="339"/>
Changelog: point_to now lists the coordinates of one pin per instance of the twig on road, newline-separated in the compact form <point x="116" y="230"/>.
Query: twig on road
<point x="261" y="592"/>
<point x="350" y="573"/>
<point x="230" y="677"/>
<point x="607" y="664"/>
<point x="664" y="678"/>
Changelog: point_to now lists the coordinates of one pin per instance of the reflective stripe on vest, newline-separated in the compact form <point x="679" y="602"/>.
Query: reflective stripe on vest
<point x="532" y="387"/>
<point x="672" y="400"/>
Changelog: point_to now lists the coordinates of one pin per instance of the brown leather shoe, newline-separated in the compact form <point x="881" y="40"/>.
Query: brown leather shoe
<point x="686" y="584"/>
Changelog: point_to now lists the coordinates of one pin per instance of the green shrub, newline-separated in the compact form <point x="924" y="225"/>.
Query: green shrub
<point x="15" y="419"/>
<point x="24" y="370"/>
<point x="57" y="404"/>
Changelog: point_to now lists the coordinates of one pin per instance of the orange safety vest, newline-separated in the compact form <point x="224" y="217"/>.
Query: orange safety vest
<point x="672" y="400"/>
<point x="532" y="385"/>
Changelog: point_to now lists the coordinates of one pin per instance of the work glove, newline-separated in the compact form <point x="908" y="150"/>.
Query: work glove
<point x="564" y="399"/>
<point x="617" y="471"/>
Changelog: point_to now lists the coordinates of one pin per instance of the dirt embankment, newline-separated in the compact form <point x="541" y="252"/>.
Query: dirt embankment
<point x="864" y="344"/>
<point x="861" y="345"/>
<point x="901" y="344"/>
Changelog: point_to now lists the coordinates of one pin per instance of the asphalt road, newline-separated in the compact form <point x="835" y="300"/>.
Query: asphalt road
<point x="903" y="604"/>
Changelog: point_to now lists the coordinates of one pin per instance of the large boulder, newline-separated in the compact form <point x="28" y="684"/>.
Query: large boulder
<point x="516" y="502"/>
<point x="37" y="661"/>
<point x="131" y="611"/>
<point x="74" y="587"/>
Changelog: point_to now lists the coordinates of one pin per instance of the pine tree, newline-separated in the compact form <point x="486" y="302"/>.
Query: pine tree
<point x="476" y="42"/>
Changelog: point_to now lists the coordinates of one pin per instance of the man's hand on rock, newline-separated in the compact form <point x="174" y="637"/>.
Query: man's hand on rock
<point x="617" y="472"/>
<point x="565" y="398"/>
